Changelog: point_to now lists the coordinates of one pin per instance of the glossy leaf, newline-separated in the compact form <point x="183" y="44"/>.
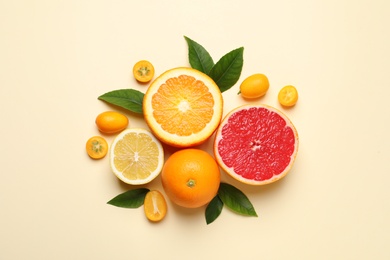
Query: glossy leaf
<point x="198" y="56"/>
<point x="129" y="99"/>
<point x="214" y="209"/>
<point x="236" y="200"/>
<point x="130" y="199"/>
<point x="227" y="71"/>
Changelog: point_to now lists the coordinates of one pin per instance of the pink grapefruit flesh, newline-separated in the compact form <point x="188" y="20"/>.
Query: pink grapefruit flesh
<point x="256" y="144"/>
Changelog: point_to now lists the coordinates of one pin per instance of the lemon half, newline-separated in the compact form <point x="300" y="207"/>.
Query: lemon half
<point x="136" y="156"/>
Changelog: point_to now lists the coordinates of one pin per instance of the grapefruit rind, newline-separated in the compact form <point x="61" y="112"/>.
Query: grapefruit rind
<point x="231" y="171"/>
<point x="172" y="138"/>
<point x="158" y="161"/>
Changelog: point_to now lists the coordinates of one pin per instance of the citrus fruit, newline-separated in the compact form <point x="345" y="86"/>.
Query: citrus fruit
<point x="96" y="147"/>
<point x="288" y="96"/>
<point x="143" y="71"/>
<point x="183" y="107"/>
<point x="155" y="206"/>
<point x="254" y="86"/>
<point x="136" y="156"/>
<point x="256" y="144"/>
<point x="190" y="178"/>
<point x="111" y="122"/>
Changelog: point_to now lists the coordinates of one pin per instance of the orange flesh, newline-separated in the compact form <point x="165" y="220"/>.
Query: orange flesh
<point x="183" y="105"/>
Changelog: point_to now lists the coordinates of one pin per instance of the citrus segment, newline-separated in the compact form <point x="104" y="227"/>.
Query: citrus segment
<point x="183" y="107"/>
<point x="136" y="156"/>
<point x="288" y="96"/>
<point x="96" y="147"/>
<point x="190" y="178"/>
<point x="256" y="144"/>
<point x="155" y="206"/>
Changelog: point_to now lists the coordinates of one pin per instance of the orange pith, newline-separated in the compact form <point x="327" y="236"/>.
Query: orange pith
<point x="183" y="107"/>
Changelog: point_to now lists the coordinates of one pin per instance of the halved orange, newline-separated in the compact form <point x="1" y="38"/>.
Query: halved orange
<point x="183" y="107"/>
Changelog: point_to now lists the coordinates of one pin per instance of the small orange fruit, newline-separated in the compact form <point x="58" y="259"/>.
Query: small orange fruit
<point x="254" y="86"/>
<point x="191" y="178"/>
<point x="143" y="71"/>
<point x="155" y="206"/>
<point x="96" y="147"/>
<point x="183" y="107"/>
<point x="288" y="96"/>
<point x="111" y="122"/>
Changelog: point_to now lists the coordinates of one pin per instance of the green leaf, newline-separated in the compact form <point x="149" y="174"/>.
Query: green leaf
<point x="226" y="72"/>
<point x="199" y="58"/>
<point x="236" y="200"/>
<point x="129" y="99"/>
<point x="214" y="209"/>
<point x="130" y="199"/>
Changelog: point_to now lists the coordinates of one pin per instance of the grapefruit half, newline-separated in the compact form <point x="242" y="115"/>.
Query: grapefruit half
<point x="256" y="144"/>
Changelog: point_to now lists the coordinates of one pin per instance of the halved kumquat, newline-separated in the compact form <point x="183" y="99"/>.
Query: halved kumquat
<point x="155" y="206"/>
<point x="143" y="71"/>
<point x="96" y="147"/>
<point x="288" y="96"/>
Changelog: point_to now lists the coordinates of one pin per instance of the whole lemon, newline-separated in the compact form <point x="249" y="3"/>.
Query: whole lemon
<point x="254" y="86"/>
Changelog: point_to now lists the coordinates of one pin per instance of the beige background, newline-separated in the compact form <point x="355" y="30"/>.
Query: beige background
<point x="57" y="57"/>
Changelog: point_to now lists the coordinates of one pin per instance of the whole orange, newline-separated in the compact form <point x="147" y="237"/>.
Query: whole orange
<point x="191" y="178"/>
